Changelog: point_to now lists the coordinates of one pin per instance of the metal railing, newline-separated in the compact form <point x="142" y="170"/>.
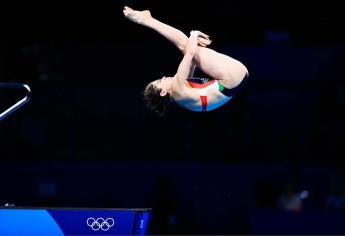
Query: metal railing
<point x="18" y="104"/>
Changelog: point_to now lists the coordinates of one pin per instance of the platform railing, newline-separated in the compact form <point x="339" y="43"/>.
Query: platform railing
<point x="18" y="104"/>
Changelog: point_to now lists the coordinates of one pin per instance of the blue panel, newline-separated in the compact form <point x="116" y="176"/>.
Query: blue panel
<point x="100" y="222"/>
<point x="28" y="222"/>
<point x="56" y="222"/>
<point x="142" y="219"/>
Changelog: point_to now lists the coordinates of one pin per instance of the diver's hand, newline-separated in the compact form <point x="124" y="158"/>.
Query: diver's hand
<point x="203" y="39"/>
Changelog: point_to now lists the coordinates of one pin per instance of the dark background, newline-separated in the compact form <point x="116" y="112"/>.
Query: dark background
<point x="220" y="172"/>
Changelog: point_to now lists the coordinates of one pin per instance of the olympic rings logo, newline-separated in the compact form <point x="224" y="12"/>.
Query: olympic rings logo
<point x="100" y="223"/>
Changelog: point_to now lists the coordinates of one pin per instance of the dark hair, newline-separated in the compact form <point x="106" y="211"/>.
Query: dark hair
<point x="154" y="101"/>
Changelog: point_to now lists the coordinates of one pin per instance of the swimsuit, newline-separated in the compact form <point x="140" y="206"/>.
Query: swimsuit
<point x="204" y="85"/>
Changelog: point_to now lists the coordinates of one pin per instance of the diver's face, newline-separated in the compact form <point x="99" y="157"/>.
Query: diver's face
<point x="164" y="83"/>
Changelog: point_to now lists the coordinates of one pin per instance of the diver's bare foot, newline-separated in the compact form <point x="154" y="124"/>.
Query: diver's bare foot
<point x="139" y="17"/>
